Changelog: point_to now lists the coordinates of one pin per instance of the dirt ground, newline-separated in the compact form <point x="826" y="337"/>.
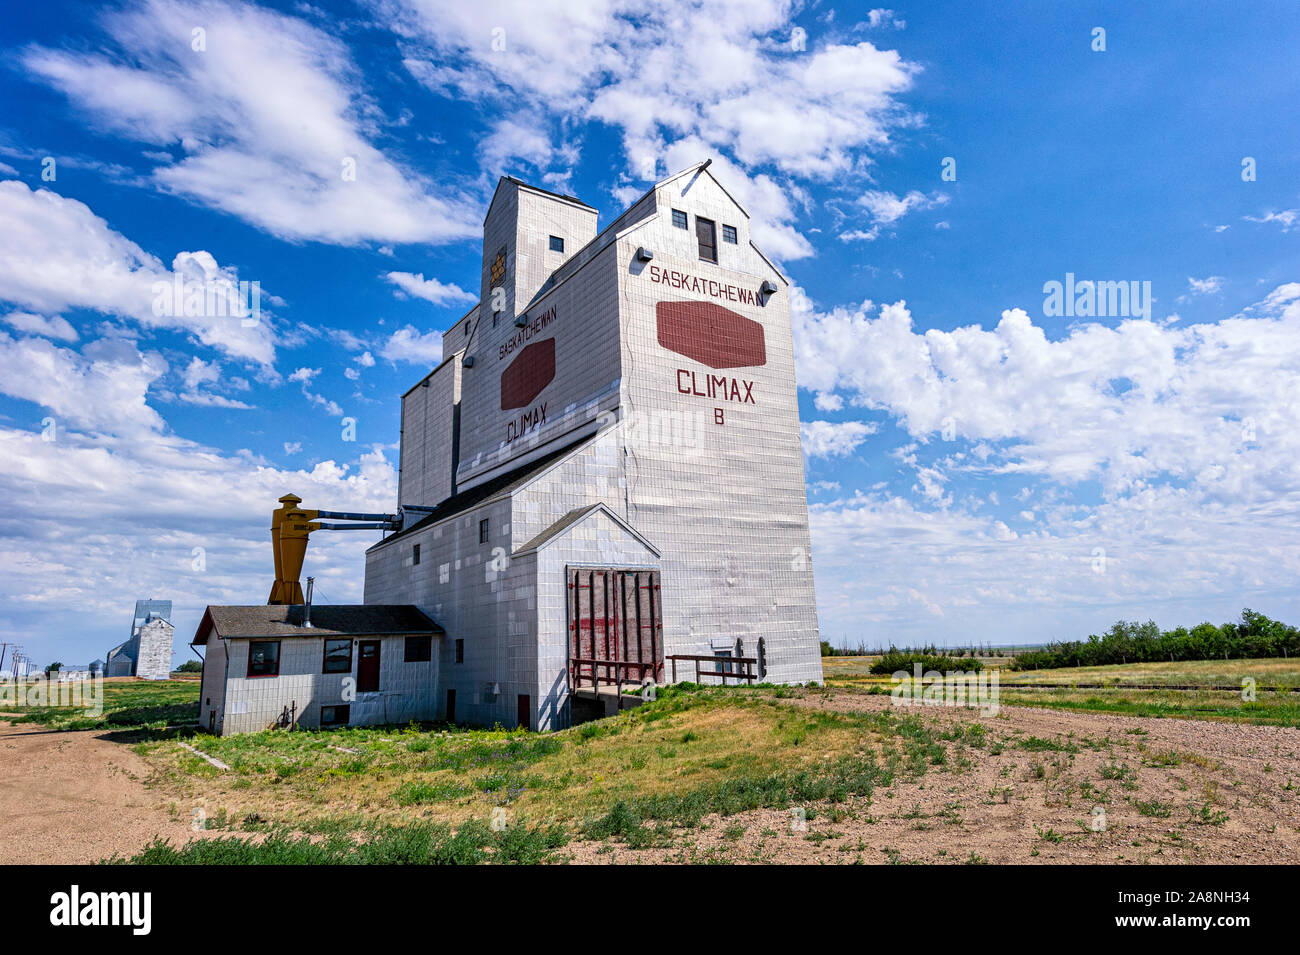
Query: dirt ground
<point x="1212" y="793"/>
<point x="1171" y="790"/>
<point x="75" y="798"/>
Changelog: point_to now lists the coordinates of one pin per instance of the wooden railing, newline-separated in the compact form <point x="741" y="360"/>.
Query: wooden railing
<point x="726" y="663"/>
<point x="639" y="671"/>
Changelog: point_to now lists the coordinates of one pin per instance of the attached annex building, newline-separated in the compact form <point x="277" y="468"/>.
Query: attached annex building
<point x="328" y="665"/>
<point x="603" y="472"/>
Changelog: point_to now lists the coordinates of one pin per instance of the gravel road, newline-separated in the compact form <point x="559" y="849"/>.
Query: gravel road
<point x="75" y="798"/>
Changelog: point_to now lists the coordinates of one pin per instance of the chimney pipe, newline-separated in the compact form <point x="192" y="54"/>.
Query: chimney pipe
<point x="306" y="608"/>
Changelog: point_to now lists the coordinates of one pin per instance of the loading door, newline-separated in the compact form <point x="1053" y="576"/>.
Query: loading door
<point x="615" y="631"/>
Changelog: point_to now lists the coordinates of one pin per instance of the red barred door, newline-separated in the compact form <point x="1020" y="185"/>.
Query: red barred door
<point x="615" y="632"/>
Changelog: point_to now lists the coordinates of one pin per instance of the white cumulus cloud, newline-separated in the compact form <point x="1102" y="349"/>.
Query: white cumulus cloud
<point x="270" y="119"/>
<point x="416" y="285"/>
<point x="831" y="439"/>
<point x="56" y="254"/>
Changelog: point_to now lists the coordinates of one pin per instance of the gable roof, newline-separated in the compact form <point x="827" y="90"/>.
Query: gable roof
<point x="575" y="517"/>
<point x="702" y="167"/>
<point x="327" y="620"/>
<point x="563" y="197"/>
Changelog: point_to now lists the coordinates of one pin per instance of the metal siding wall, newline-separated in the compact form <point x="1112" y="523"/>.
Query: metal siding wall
<point x="407" y="691"/>
<point x="426" y="446"/>
<point x="214" y="682"/>
<point x="476" y="593"/>
<point x="587" y="369"/>
<point x="154" y="655"/>
<point x="726" y="504"/>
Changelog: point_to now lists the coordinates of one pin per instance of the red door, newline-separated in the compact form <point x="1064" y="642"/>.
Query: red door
<point x="368" y="667"/>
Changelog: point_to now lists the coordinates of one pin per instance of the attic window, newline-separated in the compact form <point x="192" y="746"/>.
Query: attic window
<point x="557" y="244"/>
<point x="729" y="234"/>
<point x="707" y="235"/>
<point x="679" y="219"/>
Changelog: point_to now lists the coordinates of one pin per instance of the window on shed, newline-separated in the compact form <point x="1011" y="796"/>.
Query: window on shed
<point x="460" y="651"/>
<point x="335" y="715"/>
<point x="679" y="219"/>
<point x="415" y="553"/>
<point x="707" y="235"/>
<point x="418" y="649"/>
<point x="729" y="234"/>
<point x="264" y="658"/>
<point x="483" y="531"/>
<point x="557" y="244"/>
<point x="338" y="656"/>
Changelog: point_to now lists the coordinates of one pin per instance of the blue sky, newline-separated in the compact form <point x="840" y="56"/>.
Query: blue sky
<point x="978" y="469"/>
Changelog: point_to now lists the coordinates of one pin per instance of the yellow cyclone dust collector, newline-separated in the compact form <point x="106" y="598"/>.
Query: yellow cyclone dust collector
<point x="291" y="526"/>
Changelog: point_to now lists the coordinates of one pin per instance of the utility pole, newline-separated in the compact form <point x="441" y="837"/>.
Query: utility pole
<point x="3" y="648"/>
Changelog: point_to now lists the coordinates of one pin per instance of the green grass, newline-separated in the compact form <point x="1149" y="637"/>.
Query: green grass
<point x="691" y="753"/>
<point x="1036" y="744"/>
<point x="1154" y="808"/>
<point x="1272" y="671"/>
<point x="1276" y="709"/>
<point x="418" y="844"/>
<point x="134" y="705"/>
<point x="848" y="776"/>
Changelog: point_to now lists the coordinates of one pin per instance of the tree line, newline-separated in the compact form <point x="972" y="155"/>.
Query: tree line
<point x="1254" y="636"/>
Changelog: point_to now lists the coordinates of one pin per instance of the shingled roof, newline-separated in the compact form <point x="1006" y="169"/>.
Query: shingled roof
<point x="327" y="620"/>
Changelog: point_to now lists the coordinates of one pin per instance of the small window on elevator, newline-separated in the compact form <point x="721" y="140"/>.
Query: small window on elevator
<point x="557" y="244"/>
<point x="706" y="234"/>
